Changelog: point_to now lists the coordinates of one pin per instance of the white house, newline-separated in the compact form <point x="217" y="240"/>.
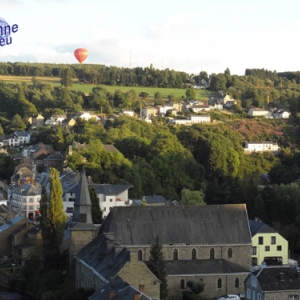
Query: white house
<point x="111" y="195"/>
<point x="259" y="112"/>
<point x="281" y="114"/>
<point x="261" y="146"/>
<point x="180" y="121"/>
<point x="87" y="116"/>
<point x="200" y="118"/>
<point x="200" y="108"/>
<point x="128" y="112"/>
<point x="26" y="199"/>
<point x="22" y="136"/>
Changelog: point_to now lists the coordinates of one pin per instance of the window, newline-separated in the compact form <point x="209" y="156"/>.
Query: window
<point x="31" y="200"/>
<point x="267" y="248"/>
<point x="110" y="200"/>
<point x="31" y="207"/>
<point x="294" y="297"/>
<point x="253" y="281"/>
<point x="212" y="253"/>
<point x="175" y="254"/>
<point x="229" y="253"/>
<point x="194" y="254"/>
<point x="260" y="240"/>
<point x="258" y="296"/>
<point x="104" y="208"/>
<point x="254" y="251"/>
<point x="237" y="283"/>
<point x="182" y="284"/>
<point x="273" y="240"/>
<point x="253" y="295"/>
<point x="140" y="255"/>
<point x="279" y="248"/>
<point x="219" y="283"/>
<point x="254" y="261"/>
<point x="248" y="293"/>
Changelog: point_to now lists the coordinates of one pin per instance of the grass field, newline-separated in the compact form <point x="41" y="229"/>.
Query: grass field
<point x="87" y="88"/>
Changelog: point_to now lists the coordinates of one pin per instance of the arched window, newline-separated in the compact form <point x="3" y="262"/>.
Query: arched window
<point x="194" y="254"/>
<point x="219" y="283"/>
<point x="237" y="283"/>
<point x="212" y="253"/>
<point x="175" y="254"/>
<point x="182" y="284"/>
<point x="140" y="255"/>
<point x="229" y="253"/>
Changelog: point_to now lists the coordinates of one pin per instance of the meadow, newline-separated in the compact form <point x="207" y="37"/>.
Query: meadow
<point x="87" y="88"/>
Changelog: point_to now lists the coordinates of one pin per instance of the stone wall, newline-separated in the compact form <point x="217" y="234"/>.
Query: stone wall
<point x="136" y="273"/>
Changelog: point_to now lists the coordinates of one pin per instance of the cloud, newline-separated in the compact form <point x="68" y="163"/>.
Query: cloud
<point x="10" y="4"/>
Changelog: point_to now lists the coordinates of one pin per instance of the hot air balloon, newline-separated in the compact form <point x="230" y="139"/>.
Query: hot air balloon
<point x="81" y="54"/>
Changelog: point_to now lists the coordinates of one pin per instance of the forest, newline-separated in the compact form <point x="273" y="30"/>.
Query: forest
<point x="160" y="158"/>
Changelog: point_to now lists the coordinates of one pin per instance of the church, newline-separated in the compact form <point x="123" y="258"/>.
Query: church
<point x="209" y="243"/>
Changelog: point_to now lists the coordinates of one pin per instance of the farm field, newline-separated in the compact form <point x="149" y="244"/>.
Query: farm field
<point x="87" y="88"/>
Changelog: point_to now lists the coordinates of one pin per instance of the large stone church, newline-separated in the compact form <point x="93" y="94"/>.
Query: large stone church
<point x="210" y="243"/>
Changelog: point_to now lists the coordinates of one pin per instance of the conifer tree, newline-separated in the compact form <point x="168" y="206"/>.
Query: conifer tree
<point x="158" y="267"/>
<point x="53" y="221"/>
<point x="96" y="211"/>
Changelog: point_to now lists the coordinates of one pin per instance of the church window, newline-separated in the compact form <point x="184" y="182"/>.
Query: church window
<point x="194" y="254"/>
<point x="175" y="254"/>
<point x="212" y="253"/>
<point x="219" y="283"/>
<point x="237" y="283"/>
<point x="229" y="253"/>
<point x="182" y="284"/>
<point x="140" y="255"/>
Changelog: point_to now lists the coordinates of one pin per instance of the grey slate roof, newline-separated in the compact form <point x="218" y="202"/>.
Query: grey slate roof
<point x="13" y="221"/>
<point x="202" y="225"/>
<point x="259" y="227"/>
<point x="110" y="189"/>
<point x="123" y="291"/>
<point x="269" y="279"/>
<point x="102" y="260"/>
<point x="83" y="205"/>
<point x="202" y="266"/>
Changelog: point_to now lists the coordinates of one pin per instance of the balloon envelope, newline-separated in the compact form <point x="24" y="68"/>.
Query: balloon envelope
<point x="81" y="54"/>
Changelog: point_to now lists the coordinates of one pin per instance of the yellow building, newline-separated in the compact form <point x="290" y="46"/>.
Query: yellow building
<point x="267" y="245"/>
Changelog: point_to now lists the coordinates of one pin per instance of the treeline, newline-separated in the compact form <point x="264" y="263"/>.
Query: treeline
<point x="100" y="74"/>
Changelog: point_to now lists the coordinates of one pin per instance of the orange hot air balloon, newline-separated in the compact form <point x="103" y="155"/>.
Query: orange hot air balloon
<point x="81" y="54"/>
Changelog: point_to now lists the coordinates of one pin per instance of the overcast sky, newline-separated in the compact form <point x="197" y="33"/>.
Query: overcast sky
<point x="185" y="35"/>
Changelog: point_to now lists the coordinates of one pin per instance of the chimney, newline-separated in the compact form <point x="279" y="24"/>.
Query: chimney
<point x="281" y="276"/>
<point x="111" y="294"/>
<point x="136" y="296"/>
<point x="142" y="288"/>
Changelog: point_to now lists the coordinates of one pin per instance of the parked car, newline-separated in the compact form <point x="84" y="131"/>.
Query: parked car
<point x="230" y="297"/>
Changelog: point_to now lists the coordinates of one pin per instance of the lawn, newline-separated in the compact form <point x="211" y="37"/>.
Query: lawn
<point x="86" y="88"/>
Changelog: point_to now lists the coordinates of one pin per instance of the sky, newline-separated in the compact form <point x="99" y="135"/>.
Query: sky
<point x="187" y="35"/>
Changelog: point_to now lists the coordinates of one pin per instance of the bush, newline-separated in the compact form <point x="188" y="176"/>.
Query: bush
<point x="196" y="286"/>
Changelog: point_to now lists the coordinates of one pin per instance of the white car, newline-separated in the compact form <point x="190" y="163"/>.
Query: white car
<point x="230" y="297"/>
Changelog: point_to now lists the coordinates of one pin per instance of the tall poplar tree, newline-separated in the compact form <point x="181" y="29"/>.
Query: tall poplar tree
<point x="53" y="221"/>
<point x="157" y="266"/>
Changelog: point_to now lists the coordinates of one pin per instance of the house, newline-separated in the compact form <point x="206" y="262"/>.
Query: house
<point x="55" y="120"/>
<point x="149" y="111"/>
<point x="54" y="160"/>
<point x="261" y="146"/>
<point x="280" y="113"/>
<point x="26" y="199"/>
<point x="36" y="120"/>
<point x="200" y="108"/>
<point x="273" y="283"/>
<point x="111" y="195"/>
<point x="151" y="200"/>
<point x="68" y="122"/>
<point x="259" y="112"/>
<point x="180" y="121"/>
<point x="178" y="106"/>
<point x="200" y="118"/>
<point x="23" y="137"/>
<point x="128" y="112"/>
<point x="211" y="243"/>
<point x="87" y="116"/>
<point x="267" y="245"/>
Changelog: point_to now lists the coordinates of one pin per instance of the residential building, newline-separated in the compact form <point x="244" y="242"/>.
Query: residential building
<point x="281" y="113"/>
<point x="68" y="122"/>
<point x="149" y="111"/>
<point x="26" y="199"/>
<point x="128" y="112"/>
<point x="111" y="196"/>
<point x="36" y="120"/>
<point x="260" y="146"/>
<point x="273" y="283"/>
<point x="55" y="120"/>
<point x="200" y="108"/>
<point x="200" y="118"/>
<point x="151" y="200"/>
<point x="267" y="245"/>
<point x="87" y="116"/>
<point x="211" y="243"/>
<point x="259" y="112"/>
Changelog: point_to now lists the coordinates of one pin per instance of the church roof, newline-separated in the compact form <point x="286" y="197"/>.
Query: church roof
<point x="82" y="206"/>
<point x="201" y="225"/>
